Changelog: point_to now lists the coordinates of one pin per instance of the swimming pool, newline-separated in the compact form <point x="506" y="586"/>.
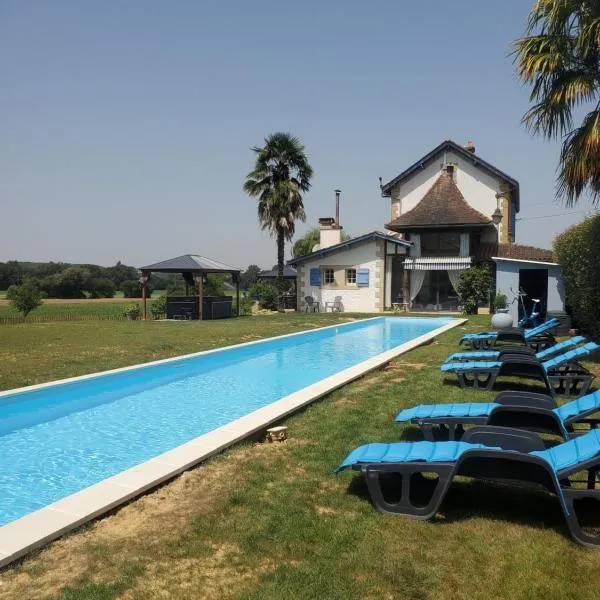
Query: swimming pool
<point x="58" y="439"/>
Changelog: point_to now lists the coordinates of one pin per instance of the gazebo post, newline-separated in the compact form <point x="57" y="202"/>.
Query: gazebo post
<point x="144" y="282"/>
<point x="200" y="285"/>
<point x="237" y="292"/>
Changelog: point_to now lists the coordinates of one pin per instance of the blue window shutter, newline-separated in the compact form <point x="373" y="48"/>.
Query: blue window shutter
<point x="315" y="277"/>
<point x="362" y="277"/>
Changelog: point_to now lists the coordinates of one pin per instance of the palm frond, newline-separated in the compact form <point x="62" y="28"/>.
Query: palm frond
<point x="559" y="58"/>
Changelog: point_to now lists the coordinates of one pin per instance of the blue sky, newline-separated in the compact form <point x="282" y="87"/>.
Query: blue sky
<point x="127" y="126"/>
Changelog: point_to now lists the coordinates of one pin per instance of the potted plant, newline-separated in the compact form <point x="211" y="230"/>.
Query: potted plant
<point x="501" y="318"/>
<point x="132" y="311"/>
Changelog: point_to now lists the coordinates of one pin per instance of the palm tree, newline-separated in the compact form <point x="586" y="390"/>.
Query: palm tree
<point x="559" y="57"/>
<point x="305" y="244"/>
<point x="280" y="175"/>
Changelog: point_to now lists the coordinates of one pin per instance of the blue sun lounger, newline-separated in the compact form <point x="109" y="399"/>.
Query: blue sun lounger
<point x="525" y="350"/>
<point x="521" y="410"/>
<point x="538" y="338"/>
<point x="495" y="453"/>
<point x="562" y="374"/>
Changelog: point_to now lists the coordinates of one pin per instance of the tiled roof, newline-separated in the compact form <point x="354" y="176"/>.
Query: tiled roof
<point x="520" y="252"/>
<point x="442" y="206"/>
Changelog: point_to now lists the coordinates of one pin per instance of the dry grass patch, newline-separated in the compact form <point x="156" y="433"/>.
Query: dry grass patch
<point x="140" y="529"/>
<point x="221" y="574"/>
<point x="344" y="401"/>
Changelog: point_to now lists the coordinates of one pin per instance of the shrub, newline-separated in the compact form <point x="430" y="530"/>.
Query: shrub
<point x="266" y="293"/>
<point x="246" y="305"/>
<point x="24" y="297"/>
<point x="577" y="250"/>
<point x="500" y="302"/>
<point x="473" y="288"/>
<point x="159" y="306"/>
<point x="100" y="287"/>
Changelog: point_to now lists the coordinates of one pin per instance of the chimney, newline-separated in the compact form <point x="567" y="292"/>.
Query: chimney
<point x="470" y="147"/>
<point x="330" y="228"/>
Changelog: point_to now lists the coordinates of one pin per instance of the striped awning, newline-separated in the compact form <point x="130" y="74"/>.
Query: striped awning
<point x="437" y="263"/>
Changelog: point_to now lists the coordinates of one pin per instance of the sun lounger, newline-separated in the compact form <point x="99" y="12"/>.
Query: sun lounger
<point x="562" y="374"/>
<point x="521" y="410"/>
<point x="425" y="470"/>
<point x="538" y="338"/>
<point x="556" y="348"/>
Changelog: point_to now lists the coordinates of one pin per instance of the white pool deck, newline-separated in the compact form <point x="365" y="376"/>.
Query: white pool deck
<point x="19" y="537"/>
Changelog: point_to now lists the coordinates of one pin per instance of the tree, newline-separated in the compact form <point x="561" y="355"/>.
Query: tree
<point x="281" y="173"/>
<point x="249" y="276"/>
<point x="473" y="287"/>
<point x="559" y="58"/>
<point x="24" y="297"/>
<point x="305" y="244"/>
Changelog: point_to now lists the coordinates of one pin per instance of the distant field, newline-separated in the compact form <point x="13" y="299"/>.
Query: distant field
<point x="107" y="307"/>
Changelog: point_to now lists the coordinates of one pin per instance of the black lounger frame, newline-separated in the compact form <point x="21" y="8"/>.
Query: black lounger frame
<point x="569" y="379"/>
<point x="519" y="410"/>
<point x="490" y="465"/>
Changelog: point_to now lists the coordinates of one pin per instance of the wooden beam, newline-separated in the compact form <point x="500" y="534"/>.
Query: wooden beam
<point x="200" y="295"/>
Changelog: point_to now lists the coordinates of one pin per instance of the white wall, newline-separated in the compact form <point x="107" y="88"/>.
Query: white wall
<point x="478" y="188"/>
<point x="360" y="299"/>
<point x="507" y="277"/>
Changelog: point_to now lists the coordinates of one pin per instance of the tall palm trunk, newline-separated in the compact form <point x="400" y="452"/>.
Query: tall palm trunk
<point x="280" y="259"/>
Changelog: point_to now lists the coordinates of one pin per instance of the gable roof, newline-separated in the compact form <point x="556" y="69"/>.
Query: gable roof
<point x="190" y="262"/>
<point x="442" y="206"/>
<point x="471" y="156"/>
<point x="348" y="243"/>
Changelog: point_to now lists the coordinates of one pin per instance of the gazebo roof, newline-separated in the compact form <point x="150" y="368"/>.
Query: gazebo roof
<point x="191" y="263"/>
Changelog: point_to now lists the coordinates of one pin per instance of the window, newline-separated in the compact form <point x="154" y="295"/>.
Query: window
<point x="351" y="276"/>
<point x="328" y="277"/>
<point x="440" y="244"/>
<point x="450" y="170"/>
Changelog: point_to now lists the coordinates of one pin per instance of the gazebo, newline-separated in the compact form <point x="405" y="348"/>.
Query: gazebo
<point x="194" y="269"/>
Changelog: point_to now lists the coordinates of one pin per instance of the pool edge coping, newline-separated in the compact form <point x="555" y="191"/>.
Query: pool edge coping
<point x="36" y="529"/>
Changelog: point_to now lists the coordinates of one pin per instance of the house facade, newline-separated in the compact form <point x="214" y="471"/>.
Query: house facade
<point x="350" y="275"/>
<point x="449" y="210"/>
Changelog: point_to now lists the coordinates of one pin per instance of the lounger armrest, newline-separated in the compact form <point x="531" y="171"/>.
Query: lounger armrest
<point x="529" y="399"/>
<point x="524" y="350"/>
<point x="505" y="438"/>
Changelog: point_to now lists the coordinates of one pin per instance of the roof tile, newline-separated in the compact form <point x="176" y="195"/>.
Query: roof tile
<point x="442" y="206"/>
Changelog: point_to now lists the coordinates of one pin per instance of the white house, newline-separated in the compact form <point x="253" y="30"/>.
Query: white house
<point x="348" y="275"/>
<point x="449" y="210"/>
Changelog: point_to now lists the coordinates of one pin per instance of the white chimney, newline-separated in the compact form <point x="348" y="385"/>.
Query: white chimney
<point x="330" y="228"/>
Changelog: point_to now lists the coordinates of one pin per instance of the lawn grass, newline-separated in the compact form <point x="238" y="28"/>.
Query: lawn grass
<point x="266" y="521"/>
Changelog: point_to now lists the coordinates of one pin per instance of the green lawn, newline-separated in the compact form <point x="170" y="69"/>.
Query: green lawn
<point x="271" y="521"/>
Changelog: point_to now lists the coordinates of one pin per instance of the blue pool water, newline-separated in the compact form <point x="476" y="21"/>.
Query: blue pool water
<point x="60" y="439"/>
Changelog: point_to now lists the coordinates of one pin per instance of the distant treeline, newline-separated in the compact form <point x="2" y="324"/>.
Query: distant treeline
<point x="66" y="280"/>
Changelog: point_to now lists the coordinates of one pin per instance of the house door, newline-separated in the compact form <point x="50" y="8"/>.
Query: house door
<point x="534" y="282"/>
<point x="437" y="293"/>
